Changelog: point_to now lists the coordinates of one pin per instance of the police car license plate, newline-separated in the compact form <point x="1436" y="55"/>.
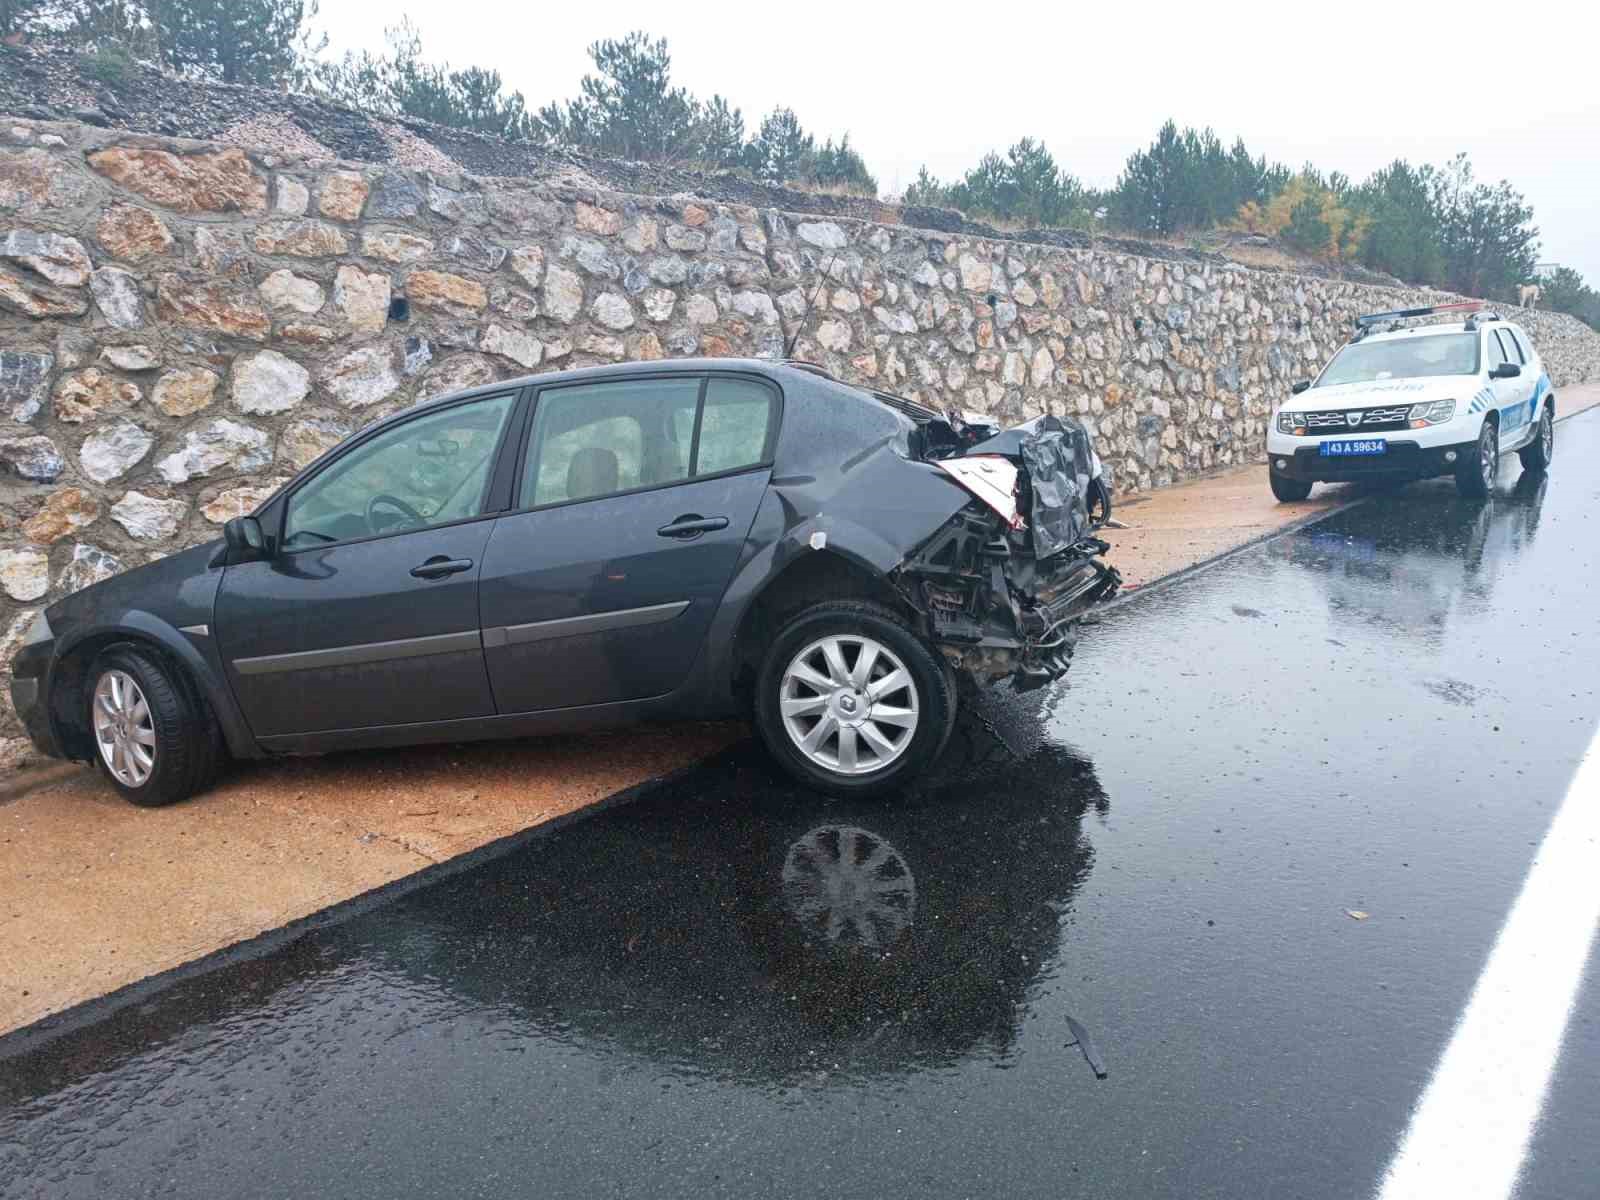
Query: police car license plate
<point x="1353" y="447"/>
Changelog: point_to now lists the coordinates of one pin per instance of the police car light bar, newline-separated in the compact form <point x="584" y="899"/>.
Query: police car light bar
<point x="1401" y="314"/>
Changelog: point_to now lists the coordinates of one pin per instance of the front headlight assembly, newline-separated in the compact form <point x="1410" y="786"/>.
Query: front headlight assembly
<point x="1291" y="422"/>
<point x="1436" y="413"/>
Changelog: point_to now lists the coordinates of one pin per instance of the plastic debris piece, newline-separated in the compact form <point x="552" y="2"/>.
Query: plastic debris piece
<point x="1085" y="1043"/>
<point x="1356" y="914"/>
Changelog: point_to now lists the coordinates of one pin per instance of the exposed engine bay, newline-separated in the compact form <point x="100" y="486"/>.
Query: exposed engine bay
<point x="1003" y="584"/>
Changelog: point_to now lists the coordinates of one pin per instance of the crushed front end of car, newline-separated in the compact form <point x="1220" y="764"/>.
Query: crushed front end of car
<point x="1003" y="584"/>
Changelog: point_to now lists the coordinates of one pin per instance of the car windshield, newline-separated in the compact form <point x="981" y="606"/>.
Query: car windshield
<point x="1403" y="358"/>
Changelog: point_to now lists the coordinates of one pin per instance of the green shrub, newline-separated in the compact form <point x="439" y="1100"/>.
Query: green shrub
<point x="111" y="65"/>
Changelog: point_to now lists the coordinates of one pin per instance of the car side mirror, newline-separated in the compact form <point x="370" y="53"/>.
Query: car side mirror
<point x="1506" y="371"/>
<point x="1300" y="387"/>
<point x="245" y="539"/>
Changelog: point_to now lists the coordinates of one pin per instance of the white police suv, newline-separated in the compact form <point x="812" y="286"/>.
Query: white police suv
<point x="1409" y="402"/>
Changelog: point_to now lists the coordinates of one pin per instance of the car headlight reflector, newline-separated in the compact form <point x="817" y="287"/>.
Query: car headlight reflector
<point x="1434" y="413"/>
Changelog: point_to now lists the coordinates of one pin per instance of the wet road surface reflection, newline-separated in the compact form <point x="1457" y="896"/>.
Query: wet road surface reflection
<point x="727" y="923"/>
<point x="733" y="987"/>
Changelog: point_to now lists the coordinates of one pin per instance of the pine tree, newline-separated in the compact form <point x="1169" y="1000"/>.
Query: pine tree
<point x="840" y="167"/>
<point x="1147" y="193"/>
<point x="925" y="189"/>
<point x="629" y="108"/>
<point x="1404" y="234"/>
<point x="234" y="41"/>
<point x="1485" y="233"/>
<point x="1308" y="229"/>
<point x="1025" y="187"/>
<point x="401" y="82"/>
<point x="721" y="134"/>
<point x="781" y="151"/>
<point x="1565" y="291"/>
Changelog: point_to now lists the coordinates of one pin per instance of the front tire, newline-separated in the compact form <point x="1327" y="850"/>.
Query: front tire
<point x="850" y="701"/>
<point x="154" y="741"/>
<point x="1476" y="473"/>
<point x="1288" y="490"/>
<point x="1536" y="455"/>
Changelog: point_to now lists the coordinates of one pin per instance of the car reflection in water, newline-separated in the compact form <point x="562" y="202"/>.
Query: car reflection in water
<point x="733" y="924"/>
<point x="1409" y="563"/>
<point x="724" y="924"/>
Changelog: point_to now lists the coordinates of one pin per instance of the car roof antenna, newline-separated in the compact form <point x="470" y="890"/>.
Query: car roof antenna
<point x="788" y="351"/>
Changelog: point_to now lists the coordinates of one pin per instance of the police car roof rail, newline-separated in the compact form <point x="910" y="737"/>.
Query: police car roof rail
<point x="1394" y="318"/>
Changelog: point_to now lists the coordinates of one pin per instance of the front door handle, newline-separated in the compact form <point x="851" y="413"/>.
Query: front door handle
<point x="692" y="525"/>
<point x="439" y="566"/>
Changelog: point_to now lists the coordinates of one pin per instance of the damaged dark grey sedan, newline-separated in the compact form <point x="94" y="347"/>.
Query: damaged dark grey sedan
<point x="692" y="539"/>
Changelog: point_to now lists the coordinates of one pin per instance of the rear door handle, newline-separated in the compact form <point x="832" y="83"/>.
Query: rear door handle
<point x="439" y="566"/>
<point x="692" y="525"/>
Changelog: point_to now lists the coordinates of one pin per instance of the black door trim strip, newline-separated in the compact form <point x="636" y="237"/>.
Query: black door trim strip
<point x="562" y="627"/>
<point x="367" y="652"/>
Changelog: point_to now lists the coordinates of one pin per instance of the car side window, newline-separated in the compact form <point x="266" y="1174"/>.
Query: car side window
<point x="428" y="471"/>
<point x="1497" y="350"/>
<point x="593" y="440"/>
<point x="1514" y="346"/>
<point x="735" y="425"/>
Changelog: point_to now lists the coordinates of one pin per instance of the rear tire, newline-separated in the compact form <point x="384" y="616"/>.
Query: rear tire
<point x="1476" y="473"/>
<point x="154" y="740"/>
<point x="828" y="671"/>
<point x="1288" y="490"/>
<point x="1536" y="455"/>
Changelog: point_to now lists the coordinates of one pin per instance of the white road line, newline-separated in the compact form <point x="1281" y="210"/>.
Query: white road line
<point x="1469" y="1133"/>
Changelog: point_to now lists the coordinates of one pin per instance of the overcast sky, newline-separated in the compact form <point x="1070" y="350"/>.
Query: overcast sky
<point x="1350" y="88"/>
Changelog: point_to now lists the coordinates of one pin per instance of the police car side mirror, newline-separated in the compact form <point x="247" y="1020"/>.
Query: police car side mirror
<point x="1506" y="371"/>
<point x="1300" y="387"/>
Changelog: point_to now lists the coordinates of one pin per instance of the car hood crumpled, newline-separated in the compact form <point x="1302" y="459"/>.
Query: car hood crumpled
<point x="1059" y="467"/>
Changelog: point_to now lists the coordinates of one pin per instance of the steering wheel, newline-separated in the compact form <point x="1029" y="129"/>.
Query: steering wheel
<point x="393" y="502"/>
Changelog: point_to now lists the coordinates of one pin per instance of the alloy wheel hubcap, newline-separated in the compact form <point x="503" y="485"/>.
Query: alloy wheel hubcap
<point x="1547" y="434"/>
<point x="124" y="728"/>
<point x="1488" y="458"/>
<point x="848" y="704"/>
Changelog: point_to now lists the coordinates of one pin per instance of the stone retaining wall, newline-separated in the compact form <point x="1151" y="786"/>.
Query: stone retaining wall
<point x="184" y="325"/>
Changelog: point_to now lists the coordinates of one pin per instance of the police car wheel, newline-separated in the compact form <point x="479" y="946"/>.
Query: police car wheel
<point x="1476" y="471"/>
<point x="1288" y="489"/>
<point x="1536" y="455"/>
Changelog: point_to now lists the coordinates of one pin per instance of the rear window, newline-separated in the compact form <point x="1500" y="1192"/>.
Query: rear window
<point x="1403" y="358"/>
<point x="735" y="426"/>
<point x="594" y="440"/>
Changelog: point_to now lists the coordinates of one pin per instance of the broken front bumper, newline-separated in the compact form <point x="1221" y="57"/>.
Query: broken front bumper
<point x="993" y="610"/>
<point x="29" y="672"/>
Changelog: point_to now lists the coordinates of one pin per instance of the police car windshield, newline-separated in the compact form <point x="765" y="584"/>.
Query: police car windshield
<point x="1403" y="358"/>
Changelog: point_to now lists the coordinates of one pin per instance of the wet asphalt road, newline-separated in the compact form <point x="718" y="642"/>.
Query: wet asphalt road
<point x="733" y="988"/>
